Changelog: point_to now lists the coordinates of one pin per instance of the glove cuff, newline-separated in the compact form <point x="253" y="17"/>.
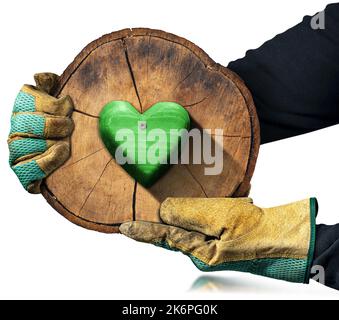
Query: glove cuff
<point x="290" y="259"/>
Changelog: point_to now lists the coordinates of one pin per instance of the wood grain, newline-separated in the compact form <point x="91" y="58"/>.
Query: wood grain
<point x="145" y="66"/>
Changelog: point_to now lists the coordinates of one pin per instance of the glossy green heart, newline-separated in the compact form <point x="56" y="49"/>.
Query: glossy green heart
<point x="142" y="143"/>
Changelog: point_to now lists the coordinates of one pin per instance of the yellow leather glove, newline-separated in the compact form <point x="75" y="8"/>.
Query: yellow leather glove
<point x="40" y="126"/>
<point x="234" y="234"/>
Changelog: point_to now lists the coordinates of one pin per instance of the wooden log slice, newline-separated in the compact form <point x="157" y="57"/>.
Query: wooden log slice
<point x="146" y="66"/>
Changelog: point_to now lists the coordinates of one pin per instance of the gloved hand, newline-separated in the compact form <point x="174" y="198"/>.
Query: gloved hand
<point x="40" y="125"/>
<point x="234" y="234"/>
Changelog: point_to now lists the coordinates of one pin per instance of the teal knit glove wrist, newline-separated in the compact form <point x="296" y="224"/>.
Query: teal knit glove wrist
<point x="40" y="125"/>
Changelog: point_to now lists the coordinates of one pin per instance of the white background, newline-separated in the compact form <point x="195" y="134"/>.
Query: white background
<point x="42" y="255"/>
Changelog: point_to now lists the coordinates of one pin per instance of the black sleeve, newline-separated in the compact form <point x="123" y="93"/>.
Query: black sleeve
<point x="326" y="253"/>
<point x="294" y="78"/>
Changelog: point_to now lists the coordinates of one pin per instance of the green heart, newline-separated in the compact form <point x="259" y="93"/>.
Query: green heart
<point x="136" y="136"/>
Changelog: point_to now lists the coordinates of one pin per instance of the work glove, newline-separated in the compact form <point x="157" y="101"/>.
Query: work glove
<point x="233" y="234"/>
<point x="40" y="125"/>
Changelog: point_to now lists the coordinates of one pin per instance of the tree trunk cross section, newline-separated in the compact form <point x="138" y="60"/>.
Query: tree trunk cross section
<point x="143" y="67"/>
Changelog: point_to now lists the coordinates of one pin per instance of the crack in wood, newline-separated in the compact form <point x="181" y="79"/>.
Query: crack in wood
<point x="134" y="201"/>
<point x="93" y="188"/>
<point x="230" y="135"/>
<point x="52" y="196"/>
<point x="131" y="72"/>
<point x="196" y="180"/>
<point x="196" y="103"/>
<point x="185" y="78"/>
<point x="111" y="195"/>
<point x="147" y="62"/>
<point x="85" y="157"/>
<point x="85" y="114"/>
<point x="140" y="103"/>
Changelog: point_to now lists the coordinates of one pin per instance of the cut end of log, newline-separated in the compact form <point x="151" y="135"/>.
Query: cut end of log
<point x="143" y="67"/>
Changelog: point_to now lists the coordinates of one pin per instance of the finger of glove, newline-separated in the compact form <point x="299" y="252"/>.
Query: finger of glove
<point x="39" y="167"/>
<point x="34" y="187"/>
<point x="21" y="149"/>
<point x="162" y="235"/>
<point x="39" y="125"/>
<point x="46" y="81"/>
<point x="31" y="99"/>
<point x="205" y="215"/>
